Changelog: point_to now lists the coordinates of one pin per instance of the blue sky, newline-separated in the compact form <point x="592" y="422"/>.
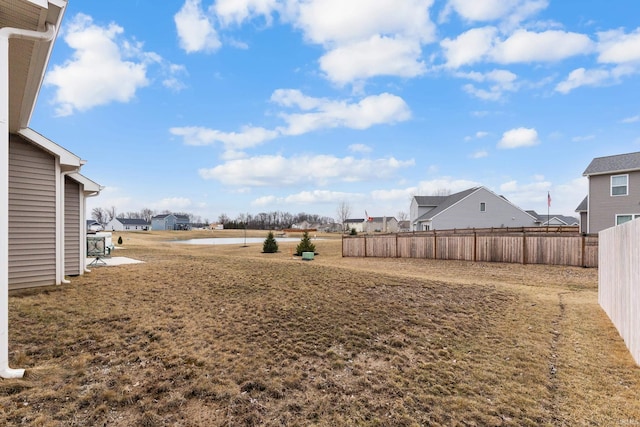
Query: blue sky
<point x="239" y="106"/>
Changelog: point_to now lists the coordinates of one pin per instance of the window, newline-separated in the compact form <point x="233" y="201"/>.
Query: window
<point x="620" y="185"/>
<point x="621" y="219"/>
<point x="483" y="207"/>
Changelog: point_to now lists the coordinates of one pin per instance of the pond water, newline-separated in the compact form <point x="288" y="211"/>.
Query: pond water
<point x="235" y="240"/>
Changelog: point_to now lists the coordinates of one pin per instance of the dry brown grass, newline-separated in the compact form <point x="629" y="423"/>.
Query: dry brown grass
<point x="228" y="336"/>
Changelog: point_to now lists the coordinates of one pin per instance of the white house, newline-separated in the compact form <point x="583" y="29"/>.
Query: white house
<point x="127" y="224"/>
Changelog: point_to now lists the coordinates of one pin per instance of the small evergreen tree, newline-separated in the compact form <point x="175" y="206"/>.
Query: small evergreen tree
<point x="119" y="240"/>
<point x="354" y="232"/>
<point x="270" y="245"/>
<point x="305" y="244"/>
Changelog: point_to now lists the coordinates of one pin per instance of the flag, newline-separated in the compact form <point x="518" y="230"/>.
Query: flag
<point x="548" y="199"/>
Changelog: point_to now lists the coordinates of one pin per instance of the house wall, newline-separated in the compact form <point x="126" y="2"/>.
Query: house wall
<point x="603" y="207"/>
<point x="72" y="225"/>
<point x="166" y="223"/>
<point x="359" y="226"/>
<point x="114" y="225"/>
<point x="32" y="215"/>
<point x="583" y="222"/>
<point x="415" y="212"/>
<point x="466" y="213"/>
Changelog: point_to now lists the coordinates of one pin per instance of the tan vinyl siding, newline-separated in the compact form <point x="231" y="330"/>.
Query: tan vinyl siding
<point x="32" y="215"/>
<point x="603" y="207"/>
<point x="71" y="227"/>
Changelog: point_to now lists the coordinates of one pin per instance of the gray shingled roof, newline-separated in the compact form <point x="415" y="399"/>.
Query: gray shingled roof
<point x="582" y="207"/>
<point x="445" y="202"/>
<point x="132" y="221"/>
<point x="612" y="164"/>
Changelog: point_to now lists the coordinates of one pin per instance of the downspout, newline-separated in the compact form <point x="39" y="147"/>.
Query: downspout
<point x="5" y="34"/>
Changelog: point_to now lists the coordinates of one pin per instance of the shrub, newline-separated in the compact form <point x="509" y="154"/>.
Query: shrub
<point x="354" y="232"/>
<point x="305" y="244"/>
<point x="270" y="245"/>
<point x="119" y="240"/>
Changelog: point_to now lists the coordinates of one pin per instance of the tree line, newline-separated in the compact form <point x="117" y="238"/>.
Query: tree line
<point x="275" y="220"/>
<point x="104" y="215"/>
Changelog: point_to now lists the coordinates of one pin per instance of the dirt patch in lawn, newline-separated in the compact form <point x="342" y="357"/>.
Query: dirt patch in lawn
<point x="226" y="335"/>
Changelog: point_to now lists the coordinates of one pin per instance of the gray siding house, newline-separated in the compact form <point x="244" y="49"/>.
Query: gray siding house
<point x="476" y="207"/>
<point x="614" y="192"/>
<point x="42" y="194"/>
<point x="170" y="222"/>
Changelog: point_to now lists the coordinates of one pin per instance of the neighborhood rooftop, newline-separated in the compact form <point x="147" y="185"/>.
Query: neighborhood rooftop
<point x="617" y="163"/>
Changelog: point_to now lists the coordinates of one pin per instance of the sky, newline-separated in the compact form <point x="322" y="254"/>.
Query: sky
<point x="249" y="106"/>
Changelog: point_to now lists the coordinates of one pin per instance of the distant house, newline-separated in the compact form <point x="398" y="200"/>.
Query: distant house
<point x="553" y="219"/>
<point x="170" y="222"/>
<point x="127" y="224"/>
<point x="404" y="226"/>
<point x="381" y="224"/>
<point x="355" y="224"/>
<point x="613" y="193"/>
<point x="93" y="225"/>
<point x="476" y="207"/>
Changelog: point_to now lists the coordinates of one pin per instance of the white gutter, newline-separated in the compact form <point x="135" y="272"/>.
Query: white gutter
<point x="5" y="34"/>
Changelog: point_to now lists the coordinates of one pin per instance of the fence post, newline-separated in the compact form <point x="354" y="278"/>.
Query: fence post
<point x="435" y="245"/>
<point x="475" y="245"/>
<point x="583" y="249"/>
<point x="365" y="246"/>
<point x="524" y="248"/>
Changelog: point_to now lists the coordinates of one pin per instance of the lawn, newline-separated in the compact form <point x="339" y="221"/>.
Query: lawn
<point x="229" y="336"/>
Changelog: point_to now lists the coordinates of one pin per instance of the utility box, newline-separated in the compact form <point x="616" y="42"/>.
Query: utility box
<point x="307" y="256"/>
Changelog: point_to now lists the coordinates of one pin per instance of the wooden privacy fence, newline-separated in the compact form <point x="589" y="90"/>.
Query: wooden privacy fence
<point x="619" y="281"/>
<point x="480" y="245"/>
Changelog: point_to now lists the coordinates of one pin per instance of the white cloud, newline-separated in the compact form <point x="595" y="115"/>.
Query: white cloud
<point x="376" y="56"/>
<point x="510" y="12"/>
<point x="237" y="11"/>
<point x="480" y="154"/>
<point x="173" y="203"/>
<point x="445" y="183"/>
<point x="334" y="22"/>
<point x="583" y="77"/>
<point x="616" y="47"/>
<point x="248" y="137"/>
<point x="307" y="198"/>
<point x="364" y="39"/>
<point x="275" y="170"/>
<point x="500" y="81"/>
<point x="632" y="119"/>
<point x="526" y="46"/>
<point x="481" y="134"/>
<point x="487" y="10"/>
<point x="565" y="197"/>
<point x="317" y="113"/>
<point x="583" y="138"/>
<point x="195" y="30"/>
<point x="469" y="47"/>
<point x="325" y="114"/>
<point x="523" y="46"/>
<point x="520" y="137"/>
<point x="99" y="71"/>
<point x="359" y="148"/>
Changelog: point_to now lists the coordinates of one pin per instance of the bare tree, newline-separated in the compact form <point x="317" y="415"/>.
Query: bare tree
<point x="344" y="212"/>
<point x="402" y="216"/>
<point x="110" y="213"/>
<point x="442" y="192"/>
<point x="99" y="215"/>
<point x="146" y="214"/>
